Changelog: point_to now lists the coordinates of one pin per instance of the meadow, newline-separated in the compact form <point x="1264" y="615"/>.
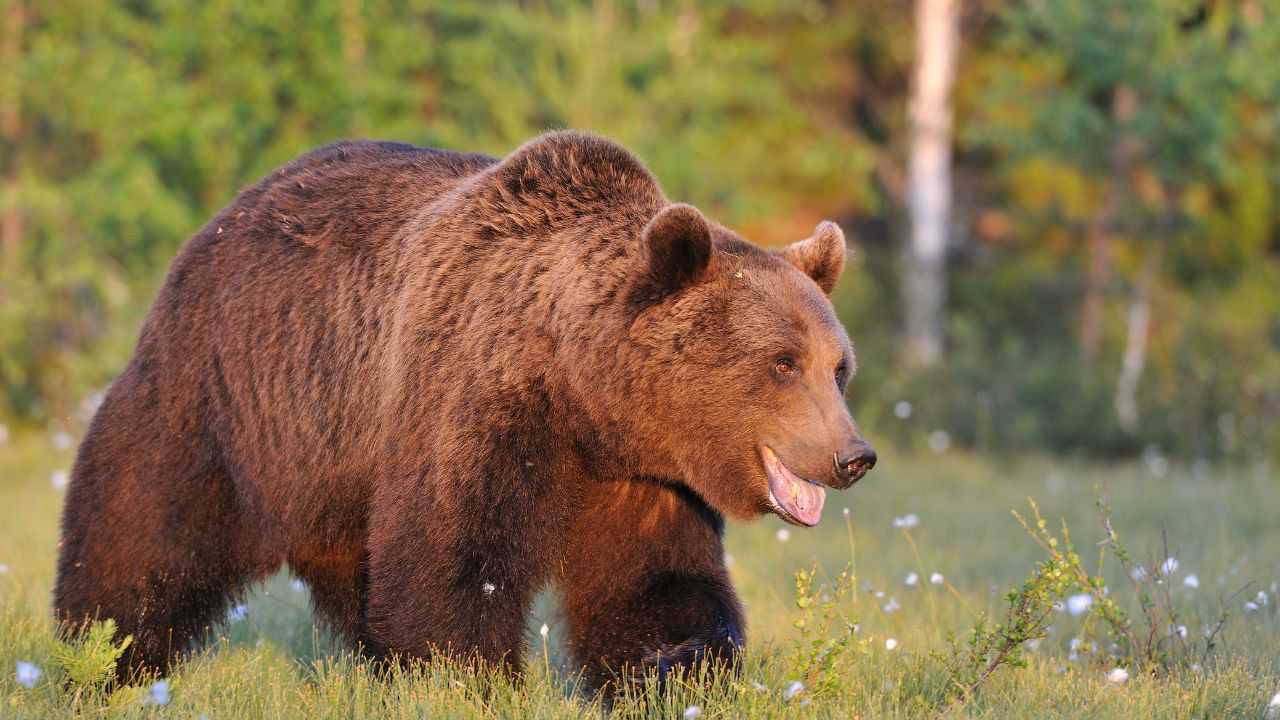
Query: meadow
<point x="928" y="537"/>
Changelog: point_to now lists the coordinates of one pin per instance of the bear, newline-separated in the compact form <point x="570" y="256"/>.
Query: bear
<point x="433" y="383"/>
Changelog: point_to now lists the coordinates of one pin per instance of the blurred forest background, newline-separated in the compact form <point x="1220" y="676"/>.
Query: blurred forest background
<point x="1065" y="216"/>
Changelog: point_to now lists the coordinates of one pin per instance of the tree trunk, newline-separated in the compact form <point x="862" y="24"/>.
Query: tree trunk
<point x="1135" y="347"/>
<point x="1124" y="103"/>
<point x="924" y="287"/>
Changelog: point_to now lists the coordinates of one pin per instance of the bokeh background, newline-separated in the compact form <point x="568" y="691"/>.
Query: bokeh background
<point x="1065" y="216"/>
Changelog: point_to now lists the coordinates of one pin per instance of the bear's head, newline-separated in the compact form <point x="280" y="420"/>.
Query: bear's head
<point x="745" y="366"/>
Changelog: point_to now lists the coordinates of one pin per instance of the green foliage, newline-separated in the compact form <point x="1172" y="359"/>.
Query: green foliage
<point x="135" y="121"/>
<point x="990" y="647"/>
<point x="138" y="120"/>
<point x="1162" y="646"/>
<point x="89" y="660"/>
<point x="826" y="635"/>
<point x="1163" y="643"/>
<point x="1153" y="125"/>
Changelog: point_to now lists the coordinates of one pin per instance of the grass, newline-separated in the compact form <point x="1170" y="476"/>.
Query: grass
<point x="1220" y="524"/>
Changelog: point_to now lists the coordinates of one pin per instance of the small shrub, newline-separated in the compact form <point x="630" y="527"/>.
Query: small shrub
<point x="89" y="660"/>
<point x="1159" y="643"/>
<point x="826" y="635"/>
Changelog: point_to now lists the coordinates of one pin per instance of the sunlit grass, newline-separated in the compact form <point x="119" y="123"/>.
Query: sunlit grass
<point x="270" y="661"/>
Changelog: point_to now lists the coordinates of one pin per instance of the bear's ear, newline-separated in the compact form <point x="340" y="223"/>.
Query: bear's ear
<point x="821" y="256"/>
<point x="677" y="247"/>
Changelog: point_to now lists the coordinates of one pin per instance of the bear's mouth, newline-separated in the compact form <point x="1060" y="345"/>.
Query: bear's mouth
<point x="794" y="499"/>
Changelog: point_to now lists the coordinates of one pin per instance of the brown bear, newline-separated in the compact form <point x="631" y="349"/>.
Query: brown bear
<point x="432" y="383"/>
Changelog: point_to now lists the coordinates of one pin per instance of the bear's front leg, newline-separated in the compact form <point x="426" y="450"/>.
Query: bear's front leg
<point x="645" y="586"/>
<point x="455" y="557"/>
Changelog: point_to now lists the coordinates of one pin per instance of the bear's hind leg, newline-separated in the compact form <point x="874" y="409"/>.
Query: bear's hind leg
<point x="338" y="580"/>
<point x="151" y="535"/>
<point x="645" y="588"/>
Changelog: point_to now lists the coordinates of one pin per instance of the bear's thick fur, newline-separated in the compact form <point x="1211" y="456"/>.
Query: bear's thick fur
<point x="431" y="383"/>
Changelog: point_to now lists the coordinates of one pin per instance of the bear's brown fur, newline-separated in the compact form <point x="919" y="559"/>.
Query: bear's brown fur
<point x="431" y="383"/>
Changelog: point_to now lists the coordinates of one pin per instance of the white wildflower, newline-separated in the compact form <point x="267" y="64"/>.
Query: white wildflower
<point x="1191" y="581"/>
<point x="795" y="688"/>
<point x="911" y="580"/>
<point x="902" y="409"/>
<point x="783" y="534"/>
<point x="728" y="560"/>
<point x="60" y="479"/>
<point x="544" y="630"/>
<point x="1251" y="606"/>
<point x="1262" y="599"/>
<point x="1273" y="708"/>
<point x="1118" y="676"/>
<point x="1170" y="566"/>
<point x="62" y="440"/>
<point x="1179" y="630"/>
<point x="297" y="585"/>
<point x="238" y="613"/>
<point x="890" y="644"/>
<point x="892" y="605"/>
<point x="1033" y="644"/>
<point x="158" y="694"/>
<point x="1079" y="604"/>
<point x="1138" y="573"/>
<point x="1159" y="466"/>
<point x="936" y="578"/>
<point x="846" y="512"/>
<point x="4" y="569"/>
<point x="27" y="674"/>
<point x="939" y="441"/>
<point x="907" y="521"/>
<point x="692" y="711"/>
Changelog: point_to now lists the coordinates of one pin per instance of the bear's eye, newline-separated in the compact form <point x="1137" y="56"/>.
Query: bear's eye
<point x="784" y="366"/>
<point x="842" y="375"/>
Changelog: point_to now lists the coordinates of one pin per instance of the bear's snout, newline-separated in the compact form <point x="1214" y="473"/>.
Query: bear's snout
<point x="854" y="462"/>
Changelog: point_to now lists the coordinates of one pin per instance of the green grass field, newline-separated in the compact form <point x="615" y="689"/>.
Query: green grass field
<point x="1220" y="524"/>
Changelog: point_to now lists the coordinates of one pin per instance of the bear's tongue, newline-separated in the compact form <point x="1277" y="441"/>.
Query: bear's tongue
<point x="795" y="499"/>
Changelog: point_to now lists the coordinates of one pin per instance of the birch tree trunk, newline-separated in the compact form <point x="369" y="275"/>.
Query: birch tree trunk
<point x="1124" y="105"/>
<point x="1135" y="347"/>
<point x="924" y="287"/>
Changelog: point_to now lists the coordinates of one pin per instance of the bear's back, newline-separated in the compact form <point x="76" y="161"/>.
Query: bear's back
<point x="277" y="315"/>
<point x="353" y="192"/>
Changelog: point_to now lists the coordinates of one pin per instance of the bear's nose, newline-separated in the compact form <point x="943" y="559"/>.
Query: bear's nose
<point x="854" y="463"/>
